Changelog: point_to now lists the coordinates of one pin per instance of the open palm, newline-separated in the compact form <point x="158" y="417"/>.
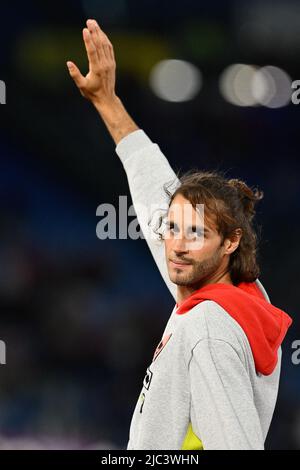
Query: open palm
<point x="98" y="85"/>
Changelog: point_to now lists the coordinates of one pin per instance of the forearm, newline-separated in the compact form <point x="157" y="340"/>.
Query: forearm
<point x="117" y="120"/>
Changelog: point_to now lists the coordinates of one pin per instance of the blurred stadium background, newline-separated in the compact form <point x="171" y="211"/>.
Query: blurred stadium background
<point x="81" y="317"/>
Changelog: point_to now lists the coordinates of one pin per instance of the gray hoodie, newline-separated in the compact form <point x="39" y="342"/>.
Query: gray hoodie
<point x="202" y="389"/>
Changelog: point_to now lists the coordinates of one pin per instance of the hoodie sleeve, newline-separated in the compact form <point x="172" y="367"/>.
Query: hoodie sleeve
<point x="147" y="171"/>
<point x="223" y="413"/>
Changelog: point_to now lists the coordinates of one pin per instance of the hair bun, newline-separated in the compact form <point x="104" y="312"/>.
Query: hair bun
<point x="248" y="196"/>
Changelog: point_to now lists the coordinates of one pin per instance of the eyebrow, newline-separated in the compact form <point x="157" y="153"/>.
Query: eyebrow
<point x="193" y="227"/>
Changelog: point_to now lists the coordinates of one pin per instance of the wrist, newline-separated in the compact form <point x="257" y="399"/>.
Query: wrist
<point x="109" y="110"/>
<point x="116" y="118"/>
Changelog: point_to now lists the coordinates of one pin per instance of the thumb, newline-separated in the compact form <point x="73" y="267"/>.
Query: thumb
<point x="75" y="74"/>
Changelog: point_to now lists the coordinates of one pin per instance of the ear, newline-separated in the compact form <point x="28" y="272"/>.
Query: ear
<point x="231" y="243"/>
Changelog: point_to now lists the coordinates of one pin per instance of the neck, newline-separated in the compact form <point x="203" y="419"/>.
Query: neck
<point x="183" y="292"/>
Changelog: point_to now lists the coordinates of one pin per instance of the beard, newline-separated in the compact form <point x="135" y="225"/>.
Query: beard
<point x="198" y="272"/>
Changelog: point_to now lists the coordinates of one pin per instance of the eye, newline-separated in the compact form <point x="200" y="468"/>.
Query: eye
<point x="196" y="231"/>
<point x="171" y="227"/>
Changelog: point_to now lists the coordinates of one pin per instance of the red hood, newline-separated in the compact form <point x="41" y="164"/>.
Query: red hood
<point x="264" y="324"/>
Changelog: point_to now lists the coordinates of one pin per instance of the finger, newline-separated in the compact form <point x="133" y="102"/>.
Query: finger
<point x="94" y="25"/>
<point x="74" y="71"/>
<point x="90" y="49"/>
<point x="99" y="40"/>
<point x="95" y="39"/>
<point x="109" y="50"/>
<point x="106" y="44"/>
<point x="90" y="26"/>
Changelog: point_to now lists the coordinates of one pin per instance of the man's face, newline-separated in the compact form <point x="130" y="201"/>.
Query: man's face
<point x="193" y="247"/>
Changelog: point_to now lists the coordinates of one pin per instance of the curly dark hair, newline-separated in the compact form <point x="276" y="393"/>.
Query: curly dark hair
<point x="231" y="202"/>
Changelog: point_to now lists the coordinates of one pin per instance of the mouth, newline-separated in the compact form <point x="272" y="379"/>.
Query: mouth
<point x="179" y="264"/>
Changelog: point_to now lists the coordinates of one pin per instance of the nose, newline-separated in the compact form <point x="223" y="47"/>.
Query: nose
<point x="180" y="246"/>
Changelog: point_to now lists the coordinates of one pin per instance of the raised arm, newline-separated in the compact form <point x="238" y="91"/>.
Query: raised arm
<point x="146" y="167"/>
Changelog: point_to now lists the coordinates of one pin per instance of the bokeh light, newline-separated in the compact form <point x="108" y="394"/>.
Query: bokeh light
<point x="271" y="87"/>
<point x="175" y="80"/>
<point x="250" y="85"/>
<point x="235" y="84"/>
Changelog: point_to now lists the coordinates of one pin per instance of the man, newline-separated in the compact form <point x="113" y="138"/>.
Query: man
<point x="213" y="380"/>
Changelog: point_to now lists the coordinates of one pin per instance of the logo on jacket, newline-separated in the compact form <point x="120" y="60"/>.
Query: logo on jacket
<point x="147" y="379"/>
<point x="161" y="346"/>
